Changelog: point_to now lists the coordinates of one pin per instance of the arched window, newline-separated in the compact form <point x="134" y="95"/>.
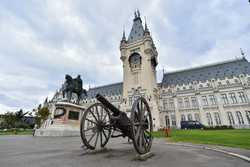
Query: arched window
<point x="183" y="118"/>
<point x="173" y="120"/>
<point x="217" y="118"/>
<point x="230" y="118"/>
<point x="186" y="101"/>
<point x="248" y="116"/>
<point x="239" y="117"/>
<point x="134" y="60"/>
<point x="209" y="119"/>
<point x="190" y="118"/>
<point x="197" y="117"/>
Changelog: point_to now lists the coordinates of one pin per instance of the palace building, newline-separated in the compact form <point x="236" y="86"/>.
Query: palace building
<point x="214" y="94"/>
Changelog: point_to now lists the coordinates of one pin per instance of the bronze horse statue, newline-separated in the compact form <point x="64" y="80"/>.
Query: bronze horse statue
<point x="73" y="86"/>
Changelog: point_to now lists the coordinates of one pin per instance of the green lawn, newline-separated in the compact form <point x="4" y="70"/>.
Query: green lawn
<point x="233" y="138"/>
<point x="17" y="132"/>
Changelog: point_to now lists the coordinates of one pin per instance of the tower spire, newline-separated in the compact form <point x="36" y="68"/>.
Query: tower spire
<point x="137" y="30"/>
<point x="242" y="52"/>
<point x="135" y="14"/>
<point x="146" y="32"/>
<point x="146" y="26"/>
<point x="123" y="35"/>
<point x="138" y="13"/>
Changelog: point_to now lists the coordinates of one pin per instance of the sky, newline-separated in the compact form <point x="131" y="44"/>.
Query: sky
<point x="41" y="41"/>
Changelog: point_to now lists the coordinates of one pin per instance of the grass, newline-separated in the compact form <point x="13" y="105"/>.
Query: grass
<point x="239" y="138"/>
<point x="17" y="132"/>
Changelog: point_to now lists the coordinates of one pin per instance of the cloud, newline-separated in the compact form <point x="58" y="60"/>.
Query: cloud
<point x="41" y="41"/>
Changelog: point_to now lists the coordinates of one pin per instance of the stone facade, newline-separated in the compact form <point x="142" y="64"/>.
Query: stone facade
<point x="215" y="94"/>
<point x="213" y="102"/>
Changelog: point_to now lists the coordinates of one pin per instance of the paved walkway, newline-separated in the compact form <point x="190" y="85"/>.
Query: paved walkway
<point x="240" y="151"/>
<point x="25" y="151"/>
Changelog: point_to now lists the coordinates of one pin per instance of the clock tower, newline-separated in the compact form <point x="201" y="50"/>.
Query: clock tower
<point x="139" y="58"/>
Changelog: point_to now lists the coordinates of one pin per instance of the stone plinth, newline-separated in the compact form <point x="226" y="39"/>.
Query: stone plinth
<point x="57" y="132"/>
<point x="65" y="125"/>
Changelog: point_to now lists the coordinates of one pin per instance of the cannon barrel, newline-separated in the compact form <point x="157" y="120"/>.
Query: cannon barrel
<point x="108" y="105"/>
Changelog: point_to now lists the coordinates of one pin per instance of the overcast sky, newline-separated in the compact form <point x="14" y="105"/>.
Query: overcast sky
<point x="41" y="41"/>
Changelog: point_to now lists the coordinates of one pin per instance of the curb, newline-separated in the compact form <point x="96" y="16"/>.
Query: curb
<point x="245" y="158"/>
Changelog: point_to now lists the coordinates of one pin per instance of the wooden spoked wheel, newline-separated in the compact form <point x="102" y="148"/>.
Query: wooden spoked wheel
<point x="142" y="128"/>
<point x="95" y="128"/>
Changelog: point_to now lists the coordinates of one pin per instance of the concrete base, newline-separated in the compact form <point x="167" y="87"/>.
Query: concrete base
<point x="57" y="132"/>
<point x="144" y="157"/>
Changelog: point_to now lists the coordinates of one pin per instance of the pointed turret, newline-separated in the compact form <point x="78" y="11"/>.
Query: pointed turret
<point x="123" y="41"/>
<point x="242" y="52"/>
<point x="137" y="30"/>
<point x="123" y="36"/>
<point x="146" y="32"/>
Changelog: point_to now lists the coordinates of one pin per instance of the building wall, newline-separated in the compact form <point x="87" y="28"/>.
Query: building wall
<point x="209" y="102"/>
<point x="213" y="103"/>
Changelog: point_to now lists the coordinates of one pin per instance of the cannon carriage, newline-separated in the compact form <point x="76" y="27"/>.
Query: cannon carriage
<point x="102" y="121"/>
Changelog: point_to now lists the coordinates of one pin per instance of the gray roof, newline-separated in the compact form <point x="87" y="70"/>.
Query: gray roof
<point x="106" y="90"/>
<point x="212" y="71"/>
<point x="137" y="30"/>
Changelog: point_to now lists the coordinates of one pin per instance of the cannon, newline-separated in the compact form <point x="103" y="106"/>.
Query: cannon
<point x="102" y="121"/>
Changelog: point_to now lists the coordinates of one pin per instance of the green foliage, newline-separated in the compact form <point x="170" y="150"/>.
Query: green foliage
<point x="14" y="131"/>
<point x="223" y="127"/>
<point x="41" y="115"/>
<point x="231" y="137"/>
<point x="14" y="120"/>
<point x="227" y="137"/>
<point x="9" y="120"/>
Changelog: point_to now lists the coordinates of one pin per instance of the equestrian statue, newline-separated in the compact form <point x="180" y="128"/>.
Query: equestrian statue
<point x="73" y="86"/>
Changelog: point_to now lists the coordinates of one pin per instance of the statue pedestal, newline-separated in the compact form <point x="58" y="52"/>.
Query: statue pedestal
<point x="67" y="124"/>
<point x="55" y="130"/>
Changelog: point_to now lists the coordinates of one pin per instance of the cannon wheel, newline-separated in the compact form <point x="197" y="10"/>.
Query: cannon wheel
<point x="141" y="126"/>
<point x="95" y="128"/>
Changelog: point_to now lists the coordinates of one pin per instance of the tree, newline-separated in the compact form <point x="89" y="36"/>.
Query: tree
<point x="41" y="115"/>
<point x="9" y="120"/>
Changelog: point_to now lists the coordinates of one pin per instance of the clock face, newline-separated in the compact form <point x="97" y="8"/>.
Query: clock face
<point x="135" y="59"/>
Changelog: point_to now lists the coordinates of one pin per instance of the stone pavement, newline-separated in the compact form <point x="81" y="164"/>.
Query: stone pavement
<point x="25" y="151"/>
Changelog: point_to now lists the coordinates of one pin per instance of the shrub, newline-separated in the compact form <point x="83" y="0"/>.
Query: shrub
<point x="223" y="127"/>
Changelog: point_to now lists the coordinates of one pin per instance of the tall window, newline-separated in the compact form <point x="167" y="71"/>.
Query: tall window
<point x="233" y="98"/>
<point x="217" y="118"/>
<point x="180" y="102"/>
<point x="183" y="118"/>
<point x="224" y="98"/>
<point x="165" y="104"/>
<point x="248" y="116"/>
<point x="130" y="101"/>
<point x="209" y="119"/>
<point x="194" y="101"/>
<point x="171" y="103"/>
<point x="186" y="101"/>
<point x="173" y="119"/>
<point x="190" y="118"/>
<point x="239" y="117"/>
<point x="197" y="117"/>
<point x="242" y="96"/>
<point x="230" y="118"/>
<point x="212" y="100"/>
<point x="204" y="100"/>
<point x="167" y="121"/>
